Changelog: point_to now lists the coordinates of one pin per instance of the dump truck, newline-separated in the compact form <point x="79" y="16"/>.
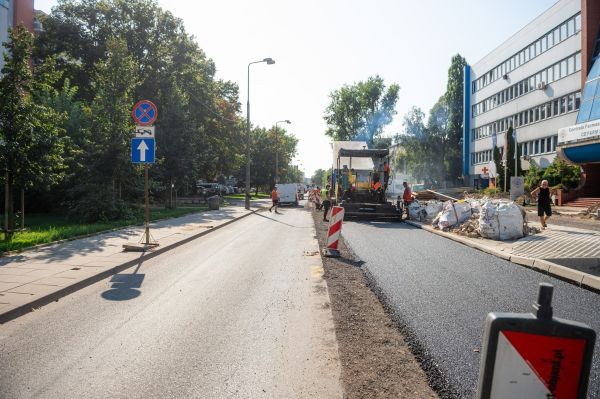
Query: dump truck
<point x="355" y="168"/>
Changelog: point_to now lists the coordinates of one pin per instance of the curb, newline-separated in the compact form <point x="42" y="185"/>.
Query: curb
<point x="581" y="279"/>
<point x="55" y="296"/>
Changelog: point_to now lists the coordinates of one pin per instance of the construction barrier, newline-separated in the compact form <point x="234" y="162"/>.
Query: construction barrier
<point x="335" y="229"/>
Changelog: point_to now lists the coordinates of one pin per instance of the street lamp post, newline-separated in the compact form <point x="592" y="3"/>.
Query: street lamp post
<point x="277" y="149"/>
<point x="269" y="61"/>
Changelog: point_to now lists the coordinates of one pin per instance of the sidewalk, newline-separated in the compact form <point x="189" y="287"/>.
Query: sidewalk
<point x="569" y="253"/>
<point x="33" y="278"/>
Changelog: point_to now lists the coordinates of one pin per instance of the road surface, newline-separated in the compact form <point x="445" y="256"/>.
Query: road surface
<point x="240" y="313"/>
<point x="442" y="291"/>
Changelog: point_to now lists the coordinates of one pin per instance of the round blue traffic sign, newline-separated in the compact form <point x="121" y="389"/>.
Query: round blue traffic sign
<point x="144" y="113"/>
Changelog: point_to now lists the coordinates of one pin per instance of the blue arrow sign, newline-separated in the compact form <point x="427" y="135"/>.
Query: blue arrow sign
<point x="142" y="150"/>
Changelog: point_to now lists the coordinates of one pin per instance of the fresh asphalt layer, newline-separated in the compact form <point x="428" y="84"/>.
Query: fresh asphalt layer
<point x="441" y="292"/>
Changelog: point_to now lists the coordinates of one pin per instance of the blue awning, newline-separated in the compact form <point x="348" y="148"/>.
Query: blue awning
<point x="583" y="154"/>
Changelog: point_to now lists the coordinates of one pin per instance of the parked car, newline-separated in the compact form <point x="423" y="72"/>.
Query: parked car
<point x="288" y="194"/>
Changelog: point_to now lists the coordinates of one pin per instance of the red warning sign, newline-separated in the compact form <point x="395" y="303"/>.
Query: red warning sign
<point x="534" y="365"/>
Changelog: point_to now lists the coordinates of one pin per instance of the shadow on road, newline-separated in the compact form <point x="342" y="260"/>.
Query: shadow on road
<point x="124" y="286"/>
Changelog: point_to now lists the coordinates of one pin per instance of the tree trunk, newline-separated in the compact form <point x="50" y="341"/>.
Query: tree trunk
<point x="9" y="217"/>
<point x="22" y="208"/>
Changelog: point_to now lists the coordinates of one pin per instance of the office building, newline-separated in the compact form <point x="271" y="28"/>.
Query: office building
<point x="533" y="82"/>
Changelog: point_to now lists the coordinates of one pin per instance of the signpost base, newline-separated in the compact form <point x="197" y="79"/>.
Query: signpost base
<point x="138" y="247"/>
<point x="331" y="253"/>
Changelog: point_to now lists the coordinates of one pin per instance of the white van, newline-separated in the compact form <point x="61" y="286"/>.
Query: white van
<point x="288" y="194"/>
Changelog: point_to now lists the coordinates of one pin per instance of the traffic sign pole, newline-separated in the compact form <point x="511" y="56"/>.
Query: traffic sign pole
<point x="144" y="113"/>
<point x="147" y="201"/>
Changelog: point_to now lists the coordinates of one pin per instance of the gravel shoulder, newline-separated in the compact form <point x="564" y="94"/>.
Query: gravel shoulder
<point x="376" y="359"/>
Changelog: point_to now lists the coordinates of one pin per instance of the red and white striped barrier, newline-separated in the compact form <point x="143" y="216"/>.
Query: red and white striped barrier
<point x="335" y="229"/>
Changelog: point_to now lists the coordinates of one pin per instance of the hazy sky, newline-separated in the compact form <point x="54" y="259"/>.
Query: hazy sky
<point x="320" y="45"/>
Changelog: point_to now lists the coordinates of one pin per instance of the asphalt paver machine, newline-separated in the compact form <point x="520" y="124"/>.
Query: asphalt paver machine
<point x="354" y="172"/>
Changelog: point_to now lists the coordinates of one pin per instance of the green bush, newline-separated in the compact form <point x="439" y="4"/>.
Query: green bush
<point x="559" y="175"/>
<point x="533" y="177"/>
<point x="100" y="206"/>
<point x="560" y="172"/>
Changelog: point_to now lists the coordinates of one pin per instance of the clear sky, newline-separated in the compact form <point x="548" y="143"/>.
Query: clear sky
<point x="320" y="45"/>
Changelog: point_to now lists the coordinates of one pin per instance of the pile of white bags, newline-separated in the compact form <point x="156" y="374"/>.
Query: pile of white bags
<point x="454" y="213"/>
<point x="501" y="221"/>
<point x="416" y="211"/>
<point x="432" y="209"/>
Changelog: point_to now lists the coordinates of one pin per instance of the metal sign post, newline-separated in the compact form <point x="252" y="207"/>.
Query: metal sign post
<point x="535" y="356"/>
<point x="142" y="152"/>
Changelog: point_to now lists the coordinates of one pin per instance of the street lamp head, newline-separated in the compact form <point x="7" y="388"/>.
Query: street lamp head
<point x="287" y="121"/>
<point x="269" y="61"/>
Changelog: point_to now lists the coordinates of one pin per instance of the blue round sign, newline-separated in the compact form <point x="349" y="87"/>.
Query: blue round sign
<point x="144" y="113"/>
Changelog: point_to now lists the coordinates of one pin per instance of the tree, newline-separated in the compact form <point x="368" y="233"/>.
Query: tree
<point x="509" y="158"/>
<point x="110" y="177"/>
<point x="424" y="145"/>
<point x="361" y="111"/>
<point x="318" y="177"/>
<point x="454" y="99"/>
<point x="32" y="141"/>
<point x="199" y="132"/>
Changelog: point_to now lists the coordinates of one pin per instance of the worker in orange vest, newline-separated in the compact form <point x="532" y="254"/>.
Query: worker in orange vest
<point x="275" y="199"/>
<point x="377" y="189"/>
<point x="386" y="174"/>
<point x="407" y="197"/>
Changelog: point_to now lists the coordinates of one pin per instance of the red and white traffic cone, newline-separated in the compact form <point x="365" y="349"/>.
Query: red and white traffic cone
<point x="335" y="229"/>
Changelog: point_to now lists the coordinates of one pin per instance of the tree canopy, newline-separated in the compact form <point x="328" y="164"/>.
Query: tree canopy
<point x="361" y="111"/>
<point x="65" y="117"/>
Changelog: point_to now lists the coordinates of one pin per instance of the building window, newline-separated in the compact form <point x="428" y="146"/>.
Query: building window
<point x="571" y="27"/>
<point x="577" y="100"/>
<point x="578" y="23"/>
<point x="570" y="65"/>
<point x="570" y="102"/>
<point x="563" y="32"/>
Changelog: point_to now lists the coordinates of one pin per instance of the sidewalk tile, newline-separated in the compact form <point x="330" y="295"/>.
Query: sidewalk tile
<point x="55" y="281"/>
<point x="17" y="279"/>
<point x="13" y="271"/>
<point x="7" y="286"/>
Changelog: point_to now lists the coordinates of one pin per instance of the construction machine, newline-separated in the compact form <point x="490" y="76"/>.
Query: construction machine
<point x="359" y="184"/>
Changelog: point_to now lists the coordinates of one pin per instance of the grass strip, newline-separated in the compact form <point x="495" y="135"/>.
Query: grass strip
<point x="47" y="228"/>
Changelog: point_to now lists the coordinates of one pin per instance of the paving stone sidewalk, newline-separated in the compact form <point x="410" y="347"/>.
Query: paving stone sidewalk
<point x="569" y="253"/>
<point x="38" y="276"/>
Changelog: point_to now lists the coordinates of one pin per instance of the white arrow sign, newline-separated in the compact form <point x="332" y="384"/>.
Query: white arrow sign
<point x="143" y="148"/>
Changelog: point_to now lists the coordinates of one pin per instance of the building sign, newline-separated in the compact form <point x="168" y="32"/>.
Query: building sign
<point x="582" y="131"/>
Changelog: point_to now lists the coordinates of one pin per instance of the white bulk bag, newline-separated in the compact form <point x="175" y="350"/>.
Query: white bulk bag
<point x="488" y="221"/>
<point x="510" y="221"/>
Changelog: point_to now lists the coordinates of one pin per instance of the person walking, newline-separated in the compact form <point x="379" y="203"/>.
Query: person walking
<point x="326" y="200"/>
<point x="543" y="200"/>
<point x="275" y="199"/>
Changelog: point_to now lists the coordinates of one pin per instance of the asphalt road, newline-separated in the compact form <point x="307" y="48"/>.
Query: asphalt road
<point x="240" y="313"/>
<point x="442" y="291"/>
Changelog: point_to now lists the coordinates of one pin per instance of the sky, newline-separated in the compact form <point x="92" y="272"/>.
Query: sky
<point x="321" y="45"/>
